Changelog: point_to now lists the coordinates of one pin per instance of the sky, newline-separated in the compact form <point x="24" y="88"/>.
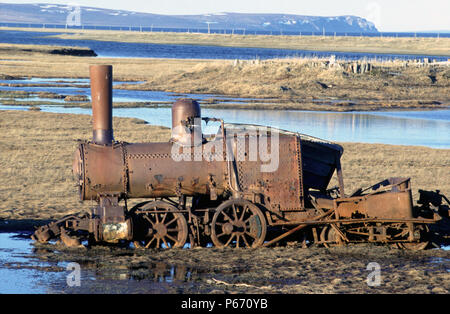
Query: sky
<point x="388" y="15"/>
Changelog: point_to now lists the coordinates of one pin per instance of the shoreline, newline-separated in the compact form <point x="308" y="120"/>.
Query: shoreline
<point x="35" y="105"/>
<point x="362" y="44"/>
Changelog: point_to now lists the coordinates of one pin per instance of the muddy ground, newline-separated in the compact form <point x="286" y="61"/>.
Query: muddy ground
<point x="283" y="270"/>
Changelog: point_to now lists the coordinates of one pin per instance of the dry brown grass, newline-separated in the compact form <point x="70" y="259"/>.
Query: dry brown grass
<point x="423" y="46"/>
<point x="298" y="81"/>
<point x="366" y="164"/>
<point x="36" y="158"/>
<point x="33" y="63"/>
<point x="286" y="84"/>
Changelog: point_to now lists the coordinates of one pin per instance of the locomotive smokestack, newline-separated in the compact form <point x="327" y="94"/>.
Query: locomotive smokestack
<point x="101" y="93"/>
<point x="186" y="122"/>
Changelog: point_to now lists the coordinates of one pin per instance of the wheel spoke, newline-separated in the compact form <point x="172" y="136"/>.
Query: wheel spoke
<point x="150" y="242"/>
<point x="245" y="240"/>
<point x="164" y="218"/>
<point x="165" y="243"/>
<point x="149" y="220"/>
<point x="253" y="236"/>
<point x="243" y="213"/>
<point x="229" y="240"/>
<point x="171" y="238"/>
<point x="171" y="222"/>
<point x="226" y="216"/>
<point x="234" y="212"/>
<point x="248" y="219"/>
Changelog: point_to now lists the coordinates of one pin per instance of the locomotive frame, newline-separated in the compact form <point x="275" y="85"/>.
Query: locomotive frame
<point x="195" y="193"/>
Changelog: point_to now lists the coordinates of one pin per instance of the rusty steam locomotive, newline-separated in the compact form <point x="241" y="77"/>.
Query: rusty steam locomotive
<point x="245" y="186"/>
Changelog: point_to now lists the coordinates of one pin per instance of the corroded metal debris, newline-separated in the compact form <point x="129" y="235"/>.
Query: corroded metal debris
<point x="246" y="186"/>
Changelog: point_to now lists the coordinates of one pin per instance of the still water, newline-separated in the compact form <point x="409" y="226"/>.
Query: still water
<point x="26" y="269"/>
<point x="145" y="50"/>
<point x="422" y="128"/>
<point x="416" y="128"/>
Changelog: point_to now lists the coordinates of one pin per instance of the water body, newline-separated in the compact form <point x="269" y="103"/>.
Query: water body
<point x="25" y="270"/>
<point x="416" y="128"/>
<point x="16" y="277"/>
<point x="143" y="50"/>
<point x="422" y="128"/>
<point x="240" y="31"/>
<point x="82" y="87"/>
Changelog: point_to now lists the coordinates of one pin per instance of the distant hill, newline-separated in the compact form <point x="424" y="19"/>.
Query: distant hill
<point x="57" y="14"/>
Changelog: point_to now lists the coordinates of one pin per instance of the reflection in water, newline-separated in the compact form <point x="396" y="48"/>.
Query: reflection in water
<point x="28" y="269"/>
<point x="155" y="272"/>
<point x="20" y="272"/>
<point x="421" y="128"/>
<point x="429" y="128"/>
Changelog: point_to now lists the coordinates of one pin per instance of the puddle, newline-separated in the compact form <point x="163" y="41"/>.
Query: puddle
<point x="29" y="269"/>
<point x="72" y="87"/>
<point x="20" y="271"/>
<point x="26" y="268"/>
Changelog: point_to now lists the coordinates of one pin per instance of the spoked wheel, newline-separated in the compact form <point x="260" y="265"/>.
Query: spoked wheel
<point x="420" y="232"/>
<point x="158" y="225"/>
<point x="330" y="237"/>
<point x="238" y="223"/>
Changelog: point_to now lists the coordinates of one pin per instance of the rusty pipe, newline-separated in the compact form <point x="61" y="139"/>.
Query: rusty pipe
<point x="101" y="93"/>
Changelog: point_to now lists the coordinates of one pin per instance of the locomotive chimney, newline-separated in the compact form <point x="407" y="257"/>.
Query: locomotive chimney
<point x="101" y="93"/>
<point x="186" y="122"/>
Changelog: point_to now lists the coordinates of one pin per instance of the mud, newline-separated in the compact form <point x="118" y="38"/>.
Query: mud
<point x="285" y="270"/>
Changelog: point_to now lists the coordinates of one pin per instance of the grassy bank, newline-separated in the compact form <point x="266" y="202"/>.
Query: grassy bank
<point x="393" y="45"/>
<point x="46" y="50"/>
<point x="297" y="84"/>
<point x="36" y="160"/>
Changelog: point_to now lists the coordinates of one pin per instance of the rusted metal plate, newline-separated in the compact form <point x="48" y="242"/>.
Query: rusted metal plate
<point x="283" y="187"/>
<point x="103" y="170"/>
<point x="393" y="200"/>
<point x="155" y="171"/>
